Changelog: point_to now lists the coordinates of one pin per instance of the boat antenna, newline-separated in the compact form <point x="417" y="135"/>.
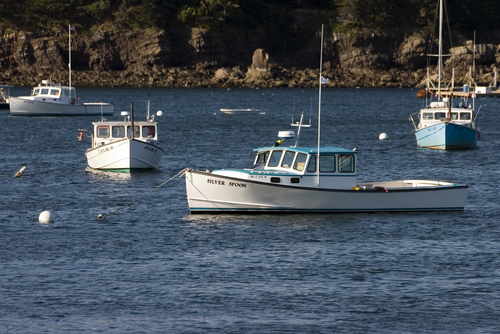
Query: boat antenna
<point x="319" y="103"/>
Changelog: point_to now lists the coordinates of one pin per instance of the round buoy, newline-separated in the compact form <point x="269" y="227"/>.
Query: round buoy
<point x="159" y="113"/>
<point x="99" y="216"/>
<point x="382" y="136"/>
<point x="46" y="217"/>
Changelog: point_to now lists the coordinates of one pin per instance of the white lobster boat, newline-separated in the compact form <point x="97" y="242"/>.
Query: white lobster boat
<point x="312" y="179"/>
<point x="286" y="179"/>
<point x="116" y="148"/>
<point x="50" y="99"/>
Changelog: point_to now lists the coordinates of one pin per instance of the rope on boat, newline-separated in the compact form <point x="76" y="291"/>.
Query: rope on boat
<point x="180" y="174"/>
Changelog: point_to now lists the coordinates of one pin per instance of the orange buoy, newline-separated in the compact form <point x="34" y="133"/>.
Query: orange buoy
<point x="423" y="93"/>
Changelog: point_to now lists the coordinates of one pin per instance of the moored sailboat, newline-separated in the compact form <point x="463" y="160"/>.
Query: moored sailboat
<point x="442" y="125"/>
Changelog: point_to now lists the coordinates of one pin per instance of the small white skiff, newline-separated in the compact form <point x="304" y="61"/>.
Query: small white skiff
<point x="252" y="111"/>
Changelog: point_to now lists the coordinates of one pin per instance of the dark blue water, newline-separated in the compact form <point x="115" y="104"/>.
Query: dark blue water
<point x="151" y="267"/>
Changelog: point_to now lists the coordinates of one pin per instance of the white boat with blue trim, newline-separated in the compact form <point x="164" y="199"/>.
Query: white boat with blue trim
<point x="116" y="148"/>
<point x="312" y="179"/>
<point x="287" y="180"/>
<point x="442" y="125"/>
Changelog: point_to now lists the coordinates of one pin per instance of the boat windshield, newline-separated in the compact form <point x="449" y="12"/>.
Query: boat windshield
<point x="288" y="159"/>
<point x="346" y="163"/>
<point x="465" y="116"/>
<point x="300" y="162"/>
<point x="148" y="131"/>
<point x="118" y="131"/>
<point x="261" y="158"/>
<point x="275" y="158"/>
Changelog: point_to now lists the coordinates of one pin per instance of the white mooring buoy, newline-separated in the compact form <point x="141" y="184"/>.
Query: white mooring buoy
<point x="382" y="136"/>
<point x="46" y="217"/>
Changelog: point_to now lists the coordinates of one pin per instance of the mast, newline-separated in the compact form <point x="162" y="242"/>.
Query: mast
<point x="69" y="64"/>
<point x="440" y="56"/>
<point x="319" y="104"/>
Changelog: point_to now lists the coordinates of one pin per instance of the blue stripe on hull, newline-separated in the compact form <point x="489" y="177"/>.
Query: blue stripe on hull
<point x="446" y="137"/>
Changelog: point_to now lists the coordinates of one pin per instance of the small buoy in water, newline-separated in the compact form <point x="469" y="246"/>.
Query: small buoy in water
<point x="46" y="217"/>
<point x="382" y="136"/>
<point x="100" y="216"/>
<point x="21" y="171"/>
<point x="159" y="113"/>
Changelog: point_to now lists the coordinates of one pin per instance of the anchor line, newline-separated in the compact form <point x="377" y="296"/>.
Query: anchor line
<point x="411" y="142"/>
<point x="59" y="168"/>
<point x="180" y="174"/>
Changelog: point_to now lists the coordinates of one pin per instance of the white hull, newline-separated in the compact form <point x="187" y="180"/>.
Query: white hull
<point x="26" y="107"/>
<point x="208" y="192"/>
<point x="124" y="155"/>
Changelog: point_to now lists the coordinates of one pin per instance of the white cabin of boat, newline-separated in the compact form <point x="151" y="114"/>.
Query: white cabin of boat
<point x="297" y="166"/>
<point x="106" y="132"/>
<point x="440" y="111"/>
<point x="55" y="93"/>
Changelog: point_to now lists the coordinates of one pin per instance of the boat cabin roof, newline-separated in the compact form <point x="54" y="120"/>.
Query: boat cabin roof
<point x="308" y="150"/>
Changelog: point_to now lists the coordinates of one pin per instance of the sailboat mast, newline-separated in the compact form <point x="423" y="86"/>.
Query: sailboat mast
<point x="440" y="55"/>
<point x="69" y="63"/>
<point x="319" y="103"/>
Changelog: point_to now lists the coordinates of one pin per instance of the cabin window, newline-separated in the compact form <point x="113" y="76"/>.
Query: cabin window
<point x="294" y="180"/>
<point x="103" y="131"/>
<point x="118" y="131"/>
<point x="148" y="131"/>
<point x="454" y="115"/>
<point x="300" y="162"/>
<point x="36" y="91"/>
<point x="44" y="91"/>
<point x="275" y="180"/>
<point x="464" y="116"/>
<point x="327" y="163"/>
<point x="65" y="93"/>
<point x="54" y="92"/>
<point x="311" y="168"/>
<point x="262" y="158"/>
<point x="274" y="159"/>
<point x="439" y="115"/>
<point x="137" y="132"/>
<point x="427" y="115"/>
<point x="288" y="159"/>
<point x="346" y="163"/>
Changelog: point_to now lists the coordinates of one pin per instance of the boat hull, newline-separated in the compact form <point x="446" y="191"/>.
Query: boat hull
<point x="25" y="107"/>
<point x="207" y="192"/>
<point x="446" y="136"/>
<point x="125" y="155"/>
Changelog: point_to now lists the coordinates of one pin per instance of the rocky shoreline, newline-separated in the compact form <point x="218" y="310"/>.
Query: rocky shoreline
<point x="155" y="59"/>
